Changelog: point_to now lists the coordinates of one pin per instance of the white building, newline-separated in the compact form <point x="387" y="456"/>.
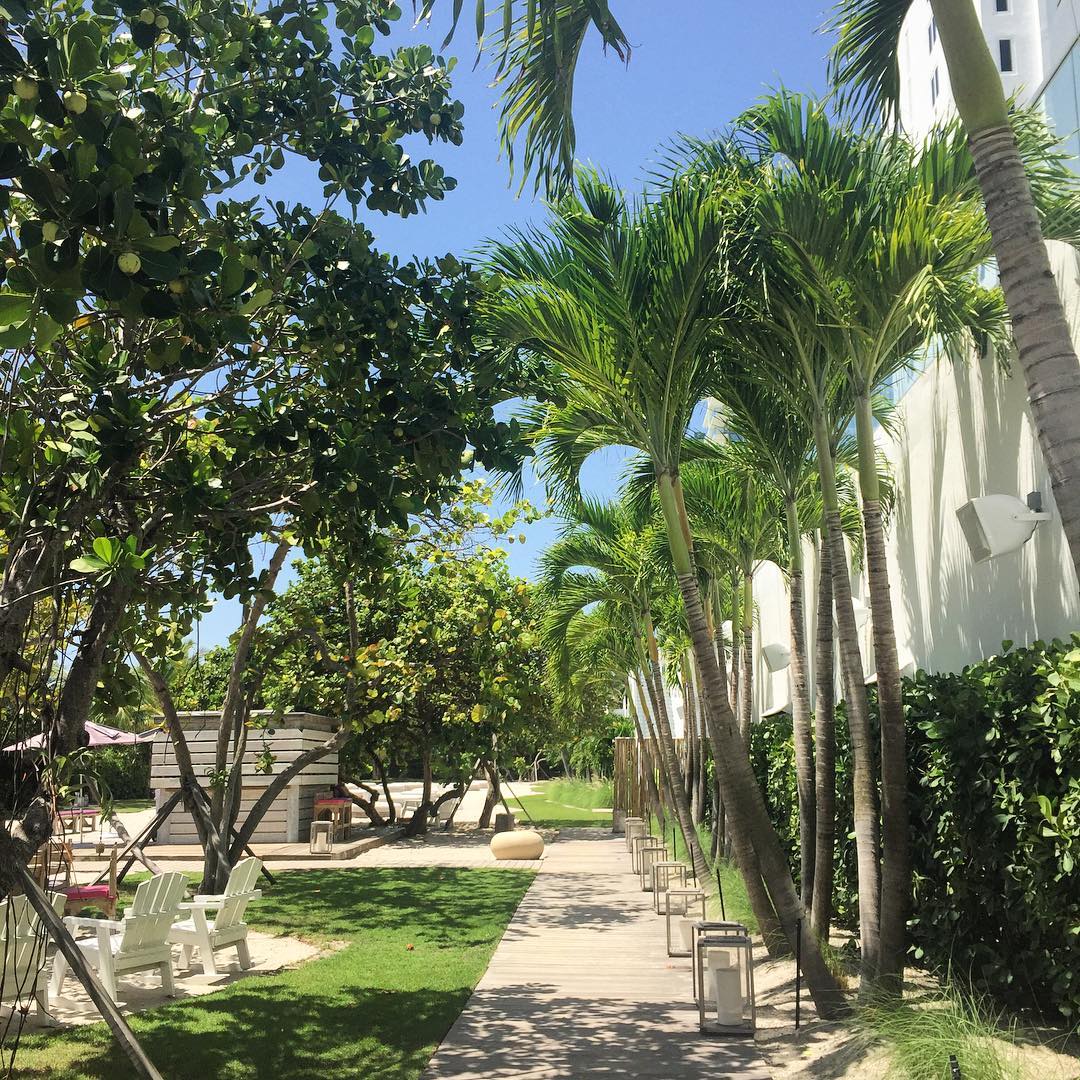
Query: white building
<point x="964" y="428"/>
<point x="1034" y="43"/>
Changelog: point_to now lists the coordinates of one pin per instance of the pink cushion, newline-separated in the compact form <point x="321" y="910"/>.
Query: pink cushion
<point x="88" y="892"/>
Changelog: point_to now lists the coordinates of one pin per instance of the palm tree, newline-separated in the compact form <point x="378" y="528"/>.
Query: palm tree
<point x="889" y="238"/>
<point x="776" y="445"/>
<point x="538" y="48"/>
<point x="621" y="300"/>
<point x="603" y="557"/>
<point x="865" y="65"/>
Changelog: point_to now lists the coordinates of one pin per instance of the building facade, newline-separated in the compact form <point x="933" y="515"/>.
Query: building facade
<point x="963" y="425"/>
<point x="1034" y="43"/>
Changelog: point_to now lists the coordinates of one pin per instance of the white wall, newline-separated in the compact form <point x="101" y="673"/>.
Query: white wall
<point x="963" y="430"/>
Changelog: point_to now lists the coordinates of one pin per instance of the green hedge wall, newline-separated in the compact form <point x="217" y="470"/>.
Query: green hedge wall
<point x="124" y="771"/>
<point x="994" y="756"/>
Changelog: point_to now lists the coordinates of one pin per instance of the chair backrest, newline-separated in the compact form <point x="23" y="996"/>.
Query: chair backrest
<point x="22" y="942"/>
<point x="238" y="893"/>
<point x="152" y="912"/>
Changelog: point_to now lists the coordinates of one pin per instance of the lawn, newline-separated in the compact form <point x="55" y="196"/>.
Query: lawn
<point x="375" y="1009"/>
<point x="562" y="806"/>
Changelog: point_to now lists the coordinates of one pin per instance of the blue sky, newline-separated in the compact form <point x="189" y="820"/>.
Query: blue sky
<point x="695" y="65"/>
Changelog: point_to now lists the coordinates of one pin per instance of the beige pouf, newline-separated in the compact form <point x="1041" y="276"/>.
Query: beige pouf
<point x="518" y="844"/>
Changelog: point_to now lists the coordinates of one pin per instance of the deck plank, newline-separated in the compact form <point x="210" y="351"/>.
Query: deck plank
<point x="581" y="986"/>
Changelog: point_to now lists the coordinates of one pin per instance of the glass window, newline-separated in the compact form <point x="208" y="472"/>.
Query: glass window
<point x="1005" y="55"/>
<point x="934" y="87"/>
<point x="1061" y="101"/>
<point x="1001" y="5"/>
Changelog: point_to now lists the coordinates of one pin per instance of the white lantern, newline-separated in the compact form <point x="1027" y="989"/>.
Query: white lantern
<point x="652" y="852"/>
<point x="680" y="908"/>
<point x="666" y="874"/>
<point x="723" y="955"/>
<point x="322" y="838"/>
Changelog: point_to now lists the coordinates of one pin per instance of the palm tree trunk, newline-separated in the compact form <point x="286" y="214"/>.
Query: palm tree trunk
<point x="647" y="746"/>
<point x="800" y="708"/>
<point x="680" y="804"/>
<point x="825" y="751"/>
<point x="864" y="774"/>
<point x="895" y="852"/>
<point x="751" y="827"/>
<point x="1046" y="351"/>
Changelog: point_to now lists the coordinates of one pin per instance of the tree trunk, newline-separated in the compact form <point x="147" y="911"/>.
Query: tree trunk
<point x="751" y="827"/>
<point x="491" y="800"/>
<point x="864" y="772"/>
<point x="800" y="709"/>
<point x="1046" y="351"/>
<point x="895" y="853"/>
<point x="564" y="757"/>
<point x="184" y="765"/>
<point x="658" y="766"/>
<point x="667" y="749"/>
<point x="278" y="784"/>
<point x="234" y="689"/>
<point x="825" y="751"/>
<point x="77" y="695"/>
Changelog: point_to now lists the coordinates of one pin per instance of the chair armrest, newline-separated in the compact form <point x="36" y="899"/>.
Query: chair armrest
<point x="217" y="901"/>
<point x="74" y="922"/>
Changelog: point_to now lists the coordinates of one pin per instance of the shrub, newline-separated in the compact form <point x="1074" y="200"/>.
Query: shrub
<point x="123" y="771"/>
<point x="994" y="773"/>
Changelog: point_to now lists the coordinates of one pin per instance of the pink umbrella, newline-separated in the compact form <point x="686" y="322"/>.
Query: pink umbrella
<point x="99" y="735"/>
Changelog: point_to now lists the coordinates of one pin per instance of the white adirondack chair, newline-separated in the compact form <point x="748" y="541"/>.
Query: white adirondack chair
<point x="23" y="943"/>
<point x="137" y="942"/>
<point x="228" y="930"/>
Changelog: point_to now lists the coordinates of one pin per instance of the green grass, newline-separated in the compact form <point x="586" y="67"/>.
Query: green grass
<point x="374" y="1009"/>
<point x="548" y="811"/>
<point x="132" y="806"/>
<point x="583" y="793"/>
<point x="920" y="1038"/>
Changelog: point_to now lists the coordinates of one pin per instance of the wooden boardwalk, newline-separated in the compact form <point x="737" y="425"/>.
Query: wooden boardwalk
<point x="581" y="986"/>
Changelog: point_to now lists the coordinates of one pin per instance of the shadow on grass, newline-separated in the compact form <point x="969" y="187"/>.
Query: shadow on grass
<point x="266" y="1029"/>
<point x="418" y="941"/>
<point x="441" y="904"/>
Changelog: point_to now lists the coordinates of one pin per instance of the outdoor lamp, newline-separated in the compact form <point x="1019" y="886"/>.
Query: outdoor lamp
<point x="321" y="841"/>
<point x="652" y="851"/>
<point x="997" y="524"/>
<point x="666" y="873"/>
<point x="723" y="954"/>
<point x="633" y="826"/>
<point x="635" y="849"/>
<point x="677" y="906"/>
<point x="776" y="656"/>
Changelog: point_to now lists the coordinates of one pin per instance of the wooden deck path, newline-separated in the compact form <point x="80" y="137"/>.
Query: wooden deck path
<point x="581" y="986"/>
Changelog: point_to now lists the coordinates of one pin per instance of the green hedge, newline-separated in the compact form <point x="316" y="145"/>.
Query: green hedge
<point x="994" y="756"/>
<point x="124" y="771"/>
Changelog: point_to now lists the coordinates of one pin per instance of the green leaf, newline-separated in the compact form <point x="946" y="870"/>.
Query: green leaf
<point x="87" y="565"/>
<point x="14" y="308"/>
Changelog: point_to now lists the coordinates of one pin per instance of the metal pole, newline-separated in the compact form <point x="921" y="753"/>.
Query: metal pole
<point x="720" y="890"/>
<point x="798" y="972"/>
<point x="954" y="1068"/>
